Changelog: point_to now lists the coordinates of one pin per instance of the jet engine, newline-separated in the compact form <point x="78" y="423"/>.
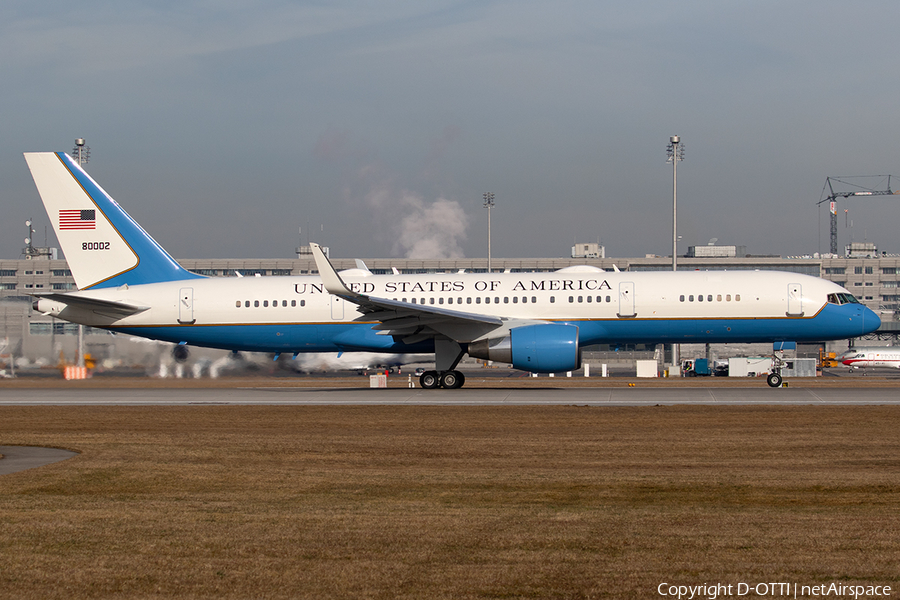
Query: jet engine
<point x="549" y="348"/>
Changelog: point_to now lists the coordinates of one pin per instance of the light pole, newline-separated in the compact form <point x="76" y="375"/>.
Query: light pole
<point x="489" y="204"/>
<point x="675" y="154"/>
<point x="81" y="153"/>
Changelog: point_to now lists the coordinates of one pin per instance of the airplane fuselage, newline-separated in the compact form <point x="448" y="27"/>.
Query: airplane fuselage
<point x="872" y="358"/>
<point x="297" y="314"/>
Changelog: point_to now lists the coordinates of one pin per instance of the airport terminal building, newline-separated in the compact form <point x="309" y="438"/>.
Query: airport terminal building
<point x="873" y="279"/>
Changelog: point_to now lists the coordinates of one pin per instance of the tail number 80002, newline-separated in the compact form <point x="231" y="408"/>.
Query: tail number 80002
<point x="95" y="245"/>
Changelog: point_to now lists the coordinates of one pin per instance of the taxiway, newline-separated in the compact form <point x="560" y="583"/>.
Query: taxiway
<point x="627" y="396"/>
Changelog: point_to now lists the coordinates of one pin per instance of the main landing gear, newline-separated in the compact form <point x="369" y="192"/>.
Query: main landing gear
<point x="450" y="380"/>
<point x="447" y="354"/>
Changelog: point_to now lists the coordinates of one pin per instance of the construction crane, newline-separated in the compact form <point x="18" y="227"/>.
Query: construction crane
<point x="855" y="189"/>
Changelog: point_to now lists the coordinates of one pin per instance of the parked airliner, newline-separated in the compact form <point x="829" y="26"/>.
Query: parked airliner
<point x="536" y="322"/>
<point x="871" y="357"/>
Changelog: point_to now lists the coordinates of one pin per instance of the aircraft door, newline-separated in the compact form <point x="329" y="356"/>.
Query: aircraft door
<point x="795" y="300"/>
<point x="626" y="300"/>
<point x="186" y="305"/>
<point x="337" y="308"/>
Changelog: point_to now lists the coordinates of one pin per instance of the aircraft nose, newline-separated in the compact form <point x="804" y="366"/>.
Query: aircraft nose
<point x="871" y="321"/>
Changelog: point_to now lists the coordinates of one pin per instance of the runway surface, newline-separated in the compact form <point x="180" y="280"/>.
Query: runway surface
<point x="635" y="396"/>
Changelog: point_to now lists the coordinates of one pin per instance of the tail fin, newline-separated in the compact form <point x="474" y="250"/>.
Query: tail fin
<point x="103" y="245"/>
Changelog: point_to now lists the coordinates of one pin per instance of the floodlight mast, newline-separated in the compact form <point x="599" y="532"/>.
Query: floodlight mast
<point x="489" y="204"/>
<point x="858" y="191"/>
<point x="82" y="154"/>
<point x="675" y="154"/>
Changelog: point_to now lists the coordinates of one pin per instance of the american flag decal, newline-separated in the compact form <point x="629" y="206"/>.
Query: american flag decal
<point x="77" y="219"/>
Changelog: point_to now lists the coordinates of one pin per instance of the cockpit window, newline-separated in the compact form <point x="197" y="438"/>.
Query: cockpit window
<point x="842" y="299"/>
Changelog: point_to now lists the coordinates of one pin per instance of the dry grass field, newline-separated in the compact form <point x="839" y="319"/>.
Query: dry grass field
<point x="447" y="502"/>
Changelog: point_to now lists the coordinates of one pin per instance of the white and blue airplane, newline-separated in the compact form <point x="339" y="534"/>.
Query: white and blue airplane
<point x="537" y="322"/>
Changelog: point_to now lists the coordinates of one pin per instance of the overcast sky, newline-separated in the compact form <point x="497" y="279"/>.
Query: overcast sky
<point x="223" y="127"/>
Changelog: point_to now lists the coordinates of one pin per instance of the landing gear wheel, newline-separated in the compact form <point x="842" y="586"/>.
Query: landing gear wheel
<point x="452" y="380"/>
<point x="429" y="380"/>
<point x="774" y="380"/>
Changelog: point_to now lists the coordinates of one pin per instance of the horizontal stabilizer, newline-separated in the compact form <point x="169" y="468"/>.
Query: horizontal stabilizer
<point x="107" y="307"/>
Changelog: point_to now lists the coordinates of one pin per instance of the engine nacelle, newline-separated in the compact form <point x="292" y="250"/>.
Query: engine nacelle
<point x="549" y="348"/>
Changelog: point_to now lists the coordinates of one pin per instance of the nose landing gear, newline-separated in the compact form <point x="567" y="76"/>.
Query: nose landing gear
<point x="775" y="379"/>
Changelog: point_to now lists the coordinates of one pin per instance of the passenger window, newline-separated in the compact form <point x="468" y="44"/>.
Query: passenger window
<point x="441" y="300"/>
<point x="552" y="299"/>
<point x="505" y="299"/>
<point x="571" y="299"/>
<point x="709" y="298"/>
<point x="459" y="300"/>
<point x="515" y="299"/>
<point x="478" y="300"/>
<point x="293" y="303"/>
<point x="449" y="300"/>
<point x="265" y="303"/>
<point x="431" y="301"/>
<point x="719" y="298"/>
<point x="737" y="297"/>
<point x="468" y="300"/>
<point x="238" y="304"/>
<point x="727" y="297"/>
<point x="284" y="303"/>
<point x="681" y="298"/>
<point x="247" y="304"/>
<point x="256" y="304"/>
<point x="487" y="300"/>
<point x="690" y="299"/>
<point x="580" y="299"/>
<point x="700" y="298"/>
<point x="589" y="298"/>
<point x="303" y="303"/>
<point x="608" y="299"/>
<point x="533" y="299"/>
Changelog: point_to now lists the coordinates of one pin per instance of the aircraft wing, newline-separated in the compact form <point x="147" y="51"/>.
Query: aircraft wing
<point x="409" y="322"/>
<point x="97" y="305"/>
